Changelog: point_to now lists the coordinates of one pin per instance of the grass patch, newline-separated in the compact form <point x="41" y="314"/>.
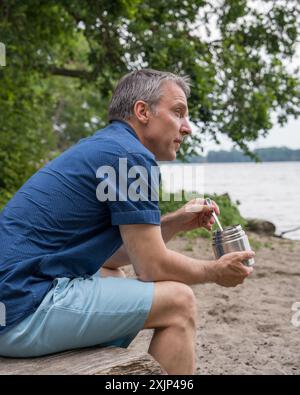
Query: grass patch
<point x="269" y="245"/>
<point x="255" y="244"/>
<point x="189" y="247"/>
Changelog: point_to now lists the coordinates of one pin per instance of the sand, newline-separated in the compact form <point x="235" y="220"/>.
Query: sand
<point x="247" y="329"/>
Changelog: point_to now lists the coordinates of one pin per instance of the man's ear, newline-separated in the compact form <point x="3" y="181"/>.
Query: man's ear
<point x="142" y="111"/>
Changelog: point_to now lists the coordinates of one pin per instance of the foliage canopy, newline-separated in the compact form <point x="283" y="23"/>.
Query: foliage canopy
<point x="64" y="58"/>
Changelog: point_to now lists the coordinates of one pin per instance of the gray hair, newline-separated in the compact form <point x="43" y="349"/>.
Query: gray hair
<point x="143" y="85"/>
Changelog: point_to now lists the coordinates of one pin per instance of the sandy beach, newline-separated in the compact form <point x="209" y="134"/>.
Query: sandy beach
<point x="247" y="329"/>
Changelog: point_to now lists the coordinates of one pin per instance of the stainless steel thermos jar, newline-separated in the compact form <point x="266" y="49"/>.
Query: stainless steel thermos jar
<point x="231" y="239"/>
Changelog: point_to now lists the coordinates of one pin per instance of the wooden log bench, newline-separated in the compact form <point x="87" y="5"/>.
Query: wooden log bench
<point x="88" y="361"/>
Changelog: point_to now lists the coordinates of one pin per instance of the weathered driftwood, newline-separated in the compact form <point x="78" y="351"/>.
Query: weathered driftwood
<point x="89" y="361"/>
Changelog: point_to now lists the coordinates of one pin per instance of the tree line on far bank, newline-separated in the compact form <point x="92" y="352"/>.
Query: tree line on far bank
<point x="272" y="154"/>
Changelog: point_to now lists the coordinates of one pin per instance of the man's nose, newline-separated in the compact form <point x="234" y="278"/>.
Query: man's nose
<point x="186" y="127"/>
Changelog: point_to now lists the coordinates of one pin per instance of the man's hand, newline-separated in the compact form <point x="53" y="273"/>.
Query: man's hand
<point x="196" y="214"/>
<point x="230" y="270"/>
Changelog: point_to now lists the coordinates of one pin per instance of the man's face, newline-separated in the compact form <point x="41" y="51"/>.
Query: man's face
<point x="168" y="123"/>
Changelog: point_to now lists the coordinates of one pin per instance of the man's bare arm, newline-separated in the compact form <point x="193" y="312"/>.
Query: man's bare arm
<point x="169" y="227"/>
<point x="171" y="224"/>
<point x="118" y="259"/>
<point x="153" y="261"/>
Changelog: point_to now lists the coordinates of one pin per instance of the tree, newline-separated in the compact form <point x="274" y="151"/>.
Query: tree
<point x="64" y="57"/>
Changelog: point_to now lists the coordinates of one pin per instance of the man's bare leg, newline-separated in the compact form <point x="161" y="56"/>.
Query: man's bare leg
<point x="173" y="317"/>
<point x="108" y="272"/>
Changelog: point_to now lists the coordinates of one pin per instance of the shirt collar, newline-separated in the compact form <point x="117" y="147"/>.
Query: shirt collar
<point x="127" y="127"/>
<point x="130" y="130"/>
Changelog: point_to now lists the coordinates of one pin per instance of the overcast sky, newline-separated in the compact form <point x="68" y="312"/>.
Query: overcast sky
<point x="287" y="136"/>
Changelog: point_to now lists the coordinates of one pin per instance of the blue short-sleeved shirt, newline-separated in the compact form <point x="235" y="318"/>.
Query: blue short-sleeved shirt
<point x="59" y="223"/>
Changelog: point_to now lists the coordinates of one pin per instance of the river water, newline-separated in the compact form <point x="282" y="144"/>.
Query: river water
<point x="269" y="190"/>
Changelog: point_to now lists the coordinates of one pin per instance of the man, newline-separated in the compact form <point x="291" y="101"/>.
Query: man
<point x="74" y="217"/>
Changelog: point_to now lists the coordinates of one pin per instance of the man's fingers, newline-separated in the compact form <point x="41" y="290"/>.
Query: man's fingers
<point x="208" y="227"/>
<point x="245" y="270"/>
<point x="199" y="201"/>
<point x="237" y="259"/>
<point x="215" y="207"/>
<point x="249" y="269"/>
<point x="194" y="208"/>
<point x="198" y="205"/>
<point x="242" y="255"/>
<point x="197" y="208"/>
<point x="239" y="268"/>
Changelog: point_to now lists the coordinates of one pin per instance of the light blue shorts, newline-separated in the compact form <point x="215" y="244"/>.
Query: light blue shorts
<point x="104" y="311"/>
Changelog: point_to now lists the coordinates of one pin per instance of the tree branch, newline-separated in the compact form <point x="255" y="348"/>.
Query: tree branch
<point x="71" y="73"/>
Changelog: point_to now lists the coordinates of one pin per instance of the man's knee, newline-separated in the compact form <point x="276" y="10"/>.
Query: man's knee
<point x="174" y="303"/>
<point x="185" y="302"/>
